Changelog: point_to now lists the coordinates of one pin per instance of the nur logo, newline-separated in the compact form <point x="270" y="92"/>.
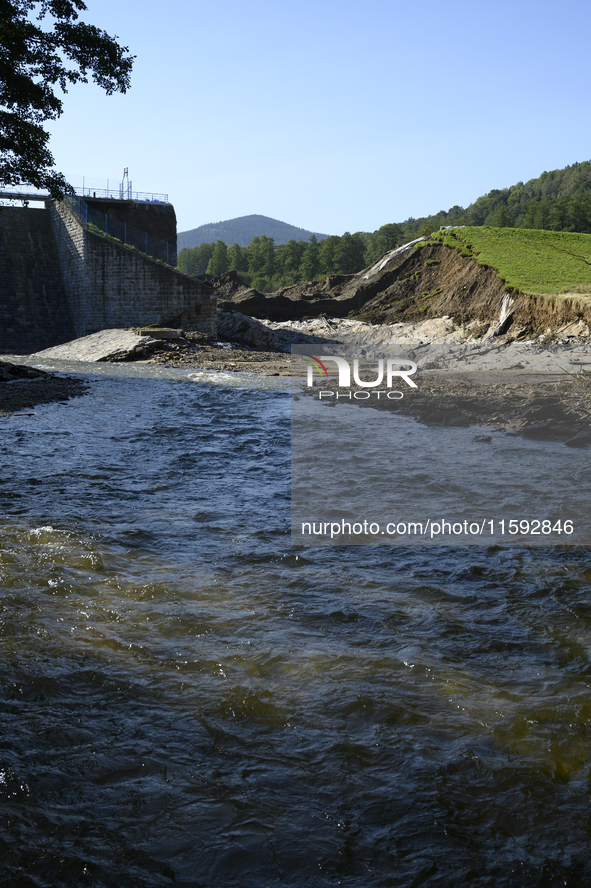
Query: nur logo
<point x="394" y="370"/>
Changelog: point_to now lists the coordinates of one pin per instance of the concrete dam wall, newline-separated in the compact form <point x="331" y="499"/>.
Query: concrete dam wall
<point x="59" y="280"/>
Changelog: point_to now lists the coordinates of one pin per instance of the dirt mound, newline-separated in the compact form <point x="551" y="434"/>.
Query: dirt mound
<point x="228" y="285"/>
<point x="416" y="282"/>
<point x="290" y="303"/>
<point x="436" y="281"/>
<point x="431" y="282"/>
<point x="336" y="296"/>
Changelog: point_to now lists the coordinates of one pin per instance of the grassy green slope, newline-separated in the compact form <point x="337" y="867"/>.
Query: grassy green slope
<point x="532" y="261"/>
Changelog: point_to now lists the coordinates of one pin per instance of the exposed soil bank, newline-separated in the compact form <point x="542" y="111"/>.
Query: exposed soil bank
<point x="419" y="281"/>
<point x="434" y="281"/>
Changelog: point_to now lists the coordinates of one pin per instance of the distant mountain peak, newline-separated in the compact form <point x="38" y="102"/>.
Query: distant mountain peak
<point x="242" y="230"/>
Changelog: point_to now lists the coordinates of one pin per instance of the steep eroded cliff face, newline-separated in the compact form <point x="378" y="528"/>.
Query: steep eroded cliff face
<point x="424" y="280"/>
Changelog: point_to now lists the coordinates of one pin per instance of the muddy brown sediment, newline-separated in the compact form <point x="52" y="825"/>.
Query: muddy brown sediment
<point x="201" y="352"/>
<point x="541" y="406"/>
<point x="432" y="282"/>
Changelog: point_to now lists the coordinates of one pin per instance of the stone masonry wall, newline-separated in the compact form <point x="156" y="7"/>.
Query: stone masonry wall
<point x="34" y="310"/>
<point x="110" y="285"/>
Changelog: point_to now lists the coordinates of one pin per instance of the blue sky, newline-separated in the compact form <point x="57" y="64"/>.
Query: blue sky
<point x="332" y="116"/>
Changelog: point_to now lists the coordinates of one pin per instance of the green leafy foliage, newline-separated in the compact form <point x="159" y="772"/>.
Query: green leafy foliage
<point x="558" y="201"/>
<point x="195" y="261"/>
<point x="43" y="46"/>
<point x="219" y="259"/>
<point x="381" y="241"/>
<point x="242" y="230"/>
<point x="349" y="254"/>
<point x="310" y="264"/>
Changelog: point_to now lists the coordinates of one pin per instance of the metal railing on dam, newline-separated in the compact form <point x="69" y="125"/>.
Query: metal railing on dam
<point x="28" y="193"/>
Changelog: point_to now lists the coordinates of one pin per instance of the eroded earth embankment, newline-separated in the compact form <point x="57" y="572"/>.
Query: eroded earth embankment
<point x="415" y="282"/>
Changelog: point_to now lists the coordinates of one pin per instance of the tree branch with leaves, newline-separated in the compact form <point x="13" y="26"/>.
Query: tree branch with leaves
<point x="43" y="47"/>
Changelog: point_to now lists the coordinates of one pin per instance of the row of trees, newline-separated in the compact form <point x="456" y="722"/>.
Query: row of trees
<point x="267" y="266"/>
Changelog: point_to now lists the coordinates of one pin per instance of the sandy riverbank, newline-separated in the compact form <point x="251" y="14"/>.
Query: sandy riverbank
<point x="540" y="406"/>
<point x="467" y="379"/>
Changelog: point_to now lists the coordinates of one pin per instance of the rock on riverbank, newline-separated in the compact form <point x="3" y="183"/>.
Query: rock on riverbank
<point x="107" y="345"/>
<point x="23" y="387"/>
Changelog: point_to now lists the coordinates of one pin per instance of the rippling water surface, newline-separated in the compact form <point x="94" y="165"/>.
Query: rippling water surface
<point x="188" y="700"/>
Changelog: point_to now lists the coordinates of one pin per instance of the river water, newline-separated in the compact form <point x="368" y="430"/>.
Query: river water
<point x="188" y="699"/>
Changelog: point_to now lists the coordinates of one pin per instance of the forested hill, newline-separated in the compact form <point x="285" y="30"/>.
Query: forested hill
<point x="242" y="230"/>
<point x="559" y="200"/>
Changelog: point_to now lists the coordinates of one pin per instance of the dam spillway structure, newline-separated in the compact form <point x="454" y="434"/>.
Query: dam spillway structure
<point x="91" y="262"/>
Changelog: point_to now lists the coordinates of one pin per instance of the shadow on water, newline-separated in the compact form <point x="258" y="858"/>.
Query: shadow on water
<point x="188" y="699"/>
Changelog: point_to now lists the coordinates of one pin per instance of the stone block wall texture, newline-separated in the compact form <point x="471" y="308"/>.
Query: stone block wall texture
<point x="34" y="309"/>
<point x="110" y="285"/>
